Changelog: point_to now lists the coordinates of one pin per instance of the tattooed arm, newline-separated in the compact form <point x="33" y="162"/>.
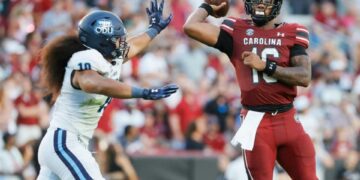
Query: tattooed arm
<point x="299" y="74"/>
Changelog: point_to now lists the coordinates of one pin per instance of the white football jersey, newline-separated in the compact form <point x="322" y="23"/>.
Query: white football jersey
<point x="76" y="110"/>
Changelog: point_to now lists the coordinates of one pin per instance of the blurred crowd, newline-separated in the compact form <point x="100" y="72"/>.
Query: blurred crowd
<point x="204" y="115"/>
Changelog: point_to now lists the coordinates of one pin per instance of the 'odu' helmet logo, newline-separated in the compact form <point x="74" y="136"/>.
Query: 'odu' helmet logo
<point x="104" y="26"/>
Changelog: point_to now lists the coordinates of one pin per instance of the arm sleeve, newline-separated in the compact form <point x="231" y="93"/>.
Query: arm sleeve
<point x="225" y="39"/>
<point x="302" y="36"/>
<point x="225" y="43"/>
<point x="89" y="60"/>
<point x="297" y="50"/>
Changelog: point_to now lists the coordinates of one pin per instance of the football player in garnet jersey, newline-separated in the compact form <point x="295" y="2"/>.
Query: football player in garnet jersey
<point x="270" y="61"/>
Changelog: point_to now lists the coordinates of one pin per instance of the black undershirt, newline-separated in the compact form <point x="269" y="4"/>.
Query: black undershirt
<point x="225" y="45"/>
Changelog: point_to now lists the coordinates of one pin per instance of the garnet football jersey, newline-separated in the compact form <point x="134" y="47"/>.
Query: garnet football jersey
<point x="275" y="45"/>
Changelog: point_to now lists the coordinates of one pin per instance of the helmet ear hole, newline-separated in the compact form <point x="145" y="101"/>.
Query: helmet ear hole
<point x="83" y="39"/>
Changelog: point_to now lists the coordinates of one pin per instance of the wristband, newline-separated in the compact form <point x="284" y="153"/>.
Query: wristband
<point x="152" y="32"/>
<point x="137" y="92"/>
<point x="270" y="68"/>
<point x="207" y="8"/>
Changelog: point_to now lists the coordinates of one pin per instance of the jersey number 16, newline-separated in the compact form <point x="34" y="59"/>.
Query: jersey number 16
<point x="264" y="54"/>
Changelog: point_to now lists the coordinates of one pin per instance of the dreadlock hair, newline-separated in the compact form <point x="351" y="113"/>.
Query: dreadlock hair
<point x="54" y="58"/>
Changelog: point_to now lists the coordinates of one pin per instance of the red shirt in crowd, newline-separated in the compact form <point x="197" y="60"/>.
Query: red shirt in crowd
<point x="187" y="112"/>
<point x="27" y="101"/>
<point x="334" y="21"/>
<point x="216" y="142"/>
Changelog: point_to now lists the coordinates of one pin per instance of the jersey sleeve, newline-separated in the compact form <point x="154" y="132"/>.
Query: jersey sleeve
<point x="228" y="25"/>
<point x="225" y="40"/>
<point x="302" y="36"/>
<point x="89" y="60"/>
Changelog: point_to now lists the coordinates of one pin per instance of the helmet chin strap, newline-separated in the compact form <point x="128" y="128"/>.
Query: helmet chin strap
<point x="259" y="21"/>
<point x="259" y="17"/>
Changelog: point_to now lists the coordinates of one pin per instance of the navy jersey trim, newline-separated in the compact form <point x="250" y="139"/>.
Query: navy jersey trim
<point x="71" y="80"/>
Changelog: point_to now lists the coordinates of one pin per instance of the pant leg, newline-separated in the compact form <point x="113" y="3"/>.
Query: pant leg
<point x="260" y="161"/>
<point x="63" y="154"/>
<point x="297" y="154"/>
<point x="47" y="174"/>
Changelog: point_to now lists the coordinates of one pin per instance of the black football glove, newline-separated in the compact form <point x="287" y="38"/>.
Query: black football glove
<point x="155" y="14"/>
<point x="159" y="93"/>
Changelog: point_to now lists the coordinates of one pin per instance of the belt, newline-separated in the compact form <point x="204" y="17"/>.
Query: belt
<point x="273" y="109"/>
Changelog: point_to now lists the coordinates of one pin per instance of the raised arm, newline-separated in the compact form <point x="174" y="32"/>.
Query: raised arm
<point x="137" y="44"/>
<point x="156" y="24"/>
<point x="196" y="27"/>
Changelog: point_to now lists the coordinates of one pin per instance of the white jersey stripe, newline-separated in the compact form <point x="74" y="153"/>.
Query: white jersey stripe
<point x="302" y="39"/>
<point x="302" y="29"/>
<point x="227" y="27"/>
<point x="246" y="166"/>
<point x="231" y="19"/>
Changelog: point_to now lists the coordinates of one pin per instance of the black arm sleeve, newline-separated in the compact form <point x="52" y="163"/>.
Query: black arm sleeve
<point x="225" y="43"/>
<point x="297" y="50"/>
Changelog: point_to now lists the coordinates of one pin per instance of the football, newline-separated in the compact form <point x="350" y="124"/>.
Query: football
<point x="221" y="12"/>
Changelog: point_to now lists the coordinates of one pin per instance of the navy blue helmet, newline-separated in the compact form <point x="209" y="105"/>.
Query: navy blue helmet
<point x="101" y="30"/>
<point x="261" y="19"/>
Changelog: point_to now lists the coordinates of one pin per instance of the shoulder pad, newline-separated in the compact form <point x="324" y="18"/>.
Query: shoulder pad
<point x="228" y="25"/>
<point x="89" y="60"/>
<point x="302" y="36"/>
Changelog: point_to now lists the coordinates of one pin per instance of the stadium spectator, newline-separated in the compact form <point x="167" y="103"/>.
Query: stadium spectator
<point x="153" y="68"/>
<point x="51" y="28"/>
<point x="29" y="108"/>
<point x="194" y="137"/>
<point x="328" y="16"/>
<point x="113" y="161"/>
<point x="214" y="138"/>
<point x="12" y="163"/>
<point x="193" y="69"/>
<point x="130" y="140"/>
<point x="187" y="110"/>
<point x="128" y="115"/>
<point x="7" y="110"/>
<point x="151" y="131"/>
<point x="350" y="169"/>
<point x="218" y="107"/>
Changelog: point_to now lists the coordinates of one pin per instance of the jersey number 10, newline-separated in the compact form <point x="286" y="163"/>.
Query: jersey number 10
<point x="264" y="54"/>
<point x="85" y="66"/>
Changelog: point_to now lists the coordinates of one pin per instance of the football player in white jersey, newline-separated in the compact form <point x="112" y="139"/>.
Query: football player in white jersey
<point x="82" y="71"/>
